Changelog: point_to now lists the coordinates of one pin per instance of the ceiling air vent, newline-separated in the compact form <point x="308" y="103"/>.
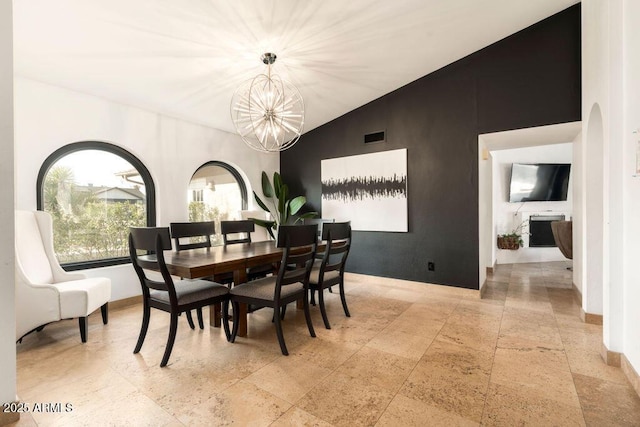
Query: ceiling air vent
<point x="370" y="138"/>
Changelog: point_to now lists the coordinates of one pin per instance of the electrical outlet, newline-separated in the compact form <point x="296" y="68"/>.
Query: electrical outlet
<point x="431" y="266"/>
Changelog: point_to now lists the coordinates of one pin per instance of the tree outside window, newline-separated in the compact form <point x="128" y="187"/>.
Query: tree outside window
<point x="93" y="196"/>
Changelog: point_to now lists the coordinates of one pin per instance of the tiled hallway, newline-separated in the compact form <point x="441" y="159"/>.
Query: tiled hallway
<point x="411" y="354"/>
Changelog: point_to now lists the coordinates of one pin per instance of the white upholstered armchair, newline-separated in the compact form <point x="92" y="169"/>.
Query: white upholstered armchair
<point x="44" y="291"/>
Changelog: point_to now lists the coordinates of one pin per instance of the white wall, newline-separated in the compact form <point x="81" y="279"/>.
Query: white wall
<point x="611" y="83"/>
<point x="631" y="186"/>
<point x="507" y="216"/>
<point x="48" y="117"/>
<point x="7" y="273"/>
<point x="485" y="212"/>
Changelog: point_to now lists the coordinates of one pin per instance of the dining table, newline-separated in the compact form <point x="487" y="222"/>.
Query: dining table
<point x="214" y="260"/>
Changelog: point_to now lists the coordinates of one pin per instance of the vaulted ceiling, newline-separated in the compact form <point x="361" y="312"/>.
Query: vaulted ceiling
<point x="184" y="58"/>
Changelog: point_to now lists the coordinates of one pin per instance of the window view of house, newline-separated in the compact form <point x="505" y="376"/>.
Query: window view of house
<point x="94" y="196"/>
<point x="215" y="194"/>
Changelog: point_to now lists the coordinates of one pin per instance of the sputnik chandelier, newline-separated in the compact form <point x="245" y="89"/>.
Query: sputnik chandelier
<point x="268" y="112"/>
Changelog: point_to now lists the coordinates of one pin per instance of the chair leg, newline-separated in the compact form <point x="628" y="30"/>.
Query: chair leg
<point x="146" y="313"/>
<point x="313" y="296"/>
<point x="283" y="346"/>
<point x="307" y="315"/>
<point x="84" y="323"/>
<point x="173" y="327"/>
<point x="283" y="311"/>
<point x="344" y="300"/>
<point x="236" y="321"/>
<point x="190" y="319"/>
<point x="225" y="319"/>
<point x="105" y="313"/>
<point x="200" y="321"/>
<point x="323" y="310"/>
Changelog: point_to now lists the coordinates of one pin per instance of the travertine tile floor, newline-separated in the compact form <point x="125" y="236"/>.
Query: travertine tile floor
<point x="411" y="354"/>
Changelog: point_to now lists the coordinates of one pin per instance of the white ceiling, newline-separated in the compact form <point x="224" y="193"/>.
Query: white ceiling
<point x="184" y="58"/>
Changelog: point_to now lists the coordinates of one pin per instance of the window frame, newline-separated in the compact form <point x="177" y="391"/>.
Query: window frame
<point x="112" y="149"/>
<point x="234" y="172"/>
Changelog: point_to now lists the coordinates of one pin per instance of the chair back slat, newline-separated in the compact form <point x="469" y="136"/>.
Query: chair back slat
<point x="336" y="230"/>
<point x="338" y="237"/>
<point x="300" y="244"/>
<point x="245" y="227"/>
<point x="153" y="241"/>
<point x="297" y="235"/>
<point x="183" y="230"/>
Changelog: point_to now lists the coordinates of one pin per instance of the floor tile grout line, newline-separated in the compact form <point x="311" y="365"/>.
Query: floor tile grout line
<point x="418" y="361"/>
<point x="493" y="360"/>
<point x="573" y="381"/>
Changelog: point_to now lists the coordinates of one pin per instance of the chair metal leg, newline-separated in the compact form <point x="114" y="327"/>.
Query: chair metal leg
<point x="344" y="300"/>
<point x="190" y="319"/>
<point x="323" y="310"/>
<point x="84" y="323"/>
<point x="236" y="321"/>
<point x="283" y="311"/>
<point x="105" y="313"/>
<point x="200" y="321"/>
<point x="313" y="297"/>
<point x="307" y="316"/>
<point x="146" y="313"/>
<point x="173" y="328"/>
<point x="283" y="346"/>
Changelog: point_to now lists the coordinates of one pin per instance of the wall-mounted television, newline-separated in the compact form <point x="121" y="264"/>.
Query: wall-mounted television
<point x="539" y="182"/>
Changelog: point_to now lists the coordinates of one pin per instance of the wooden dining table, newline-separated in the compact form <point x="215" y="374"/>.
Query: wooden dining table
<point x="206" y="262"/>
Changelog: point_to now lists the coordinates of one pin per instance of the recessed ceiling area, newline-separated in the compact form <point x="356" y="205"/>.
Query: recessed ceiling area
<point x="184" y="58"/>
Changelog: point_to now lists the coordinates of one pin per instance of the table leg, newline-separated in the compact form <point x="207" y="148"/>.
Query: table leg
<point x="215" y="314"/>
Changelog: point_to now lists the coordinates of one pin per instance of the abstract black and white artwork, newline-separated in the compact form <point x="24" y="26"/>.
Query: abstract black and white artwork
<point x="370" y="190"/>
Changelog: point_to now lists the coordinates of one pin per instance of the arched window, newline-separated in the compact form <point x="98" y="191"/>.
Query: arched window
<point x="94" y="191"/>
<point x="216" y="192"/>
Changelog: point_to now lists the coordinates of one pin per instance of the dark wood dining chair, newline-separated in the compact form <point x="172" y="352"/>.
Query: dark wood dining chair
<point x="235" y="232"/>
<point x="330" y="270"/>
<point x="300" y="244"/>
<point x="167" y="295"/>
<point x="192" y="235"/>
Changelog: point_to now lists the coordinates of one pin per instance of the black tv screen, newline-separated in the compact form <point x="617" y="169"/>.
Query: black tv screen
<point x="540" y="182"/>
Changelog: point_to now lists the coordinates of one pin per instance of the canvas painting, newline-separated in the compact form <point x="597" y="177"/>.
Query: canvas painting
<point x="370" y="190"/>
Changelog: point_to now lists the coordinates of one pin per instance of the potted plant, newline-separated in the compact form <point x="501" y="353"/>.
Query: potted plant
<point x="513" y="239"/>
<point x="282" y="209"/>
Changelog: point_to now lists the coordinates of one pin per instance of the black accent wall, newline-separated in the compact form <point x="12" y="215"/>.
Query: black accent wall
<point x="531" y="78"/>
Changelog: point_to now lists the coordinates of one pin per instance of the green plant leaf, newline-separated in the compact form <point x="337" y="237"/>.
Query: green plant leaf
<point x="309" y="215"/>
<point x="296" y="204"/>
<point x="260" y="202"/>
<point x="263" y="223"/>
<point x="283" y="205"/>
<point x="288" y="211"/>
<point x="277" y="184"/>
<point x="267" y="188"/>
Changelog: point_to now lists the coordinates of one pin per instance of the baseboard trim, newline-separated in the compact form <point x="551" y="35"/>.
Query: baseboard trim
<point x="126" y="302"/>
<point x="593" y="319"/>
<point x="577" y="294"/>
<point x="9" y="417"/>
<point x="492" y="269"/>
<point x="611" y="358"/>
<point x="631" y="374"/>
<point x="482" y="290"/>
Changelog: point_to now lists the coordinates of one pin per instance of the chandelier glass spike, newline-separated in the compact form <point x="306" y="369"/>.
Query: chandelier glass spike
<point x="268" y="112"/>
